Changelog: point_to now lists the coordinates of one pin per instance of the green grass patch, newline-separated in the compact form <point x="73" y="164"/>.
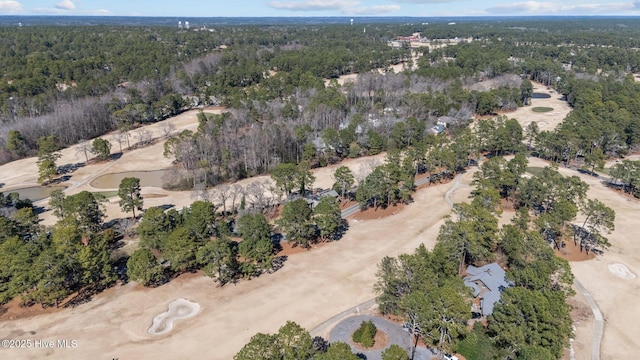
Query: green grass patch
<point x="534" y="170"/>
<point x="541" y="109"/>
<point x="107" y="194"/>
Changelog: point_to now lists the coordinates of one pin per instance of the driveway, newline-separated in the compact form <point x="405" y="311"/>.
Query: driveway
<point x="397" y="335"/>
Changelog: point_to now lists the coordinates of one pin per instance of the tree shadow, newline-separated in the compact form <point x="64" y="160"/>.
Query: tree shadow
<point x="276" y="240"/>
<point x="341" y="231"/>
<point x="39" y="210"/>
<point x="59" y="180"/>
<point x="69" y="168"/>
<point x="166" y="206"/>
<point x="277" y="263"/>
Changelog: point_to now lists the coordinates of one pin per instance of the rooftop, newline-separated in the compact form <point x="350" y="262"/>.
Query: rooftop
<point x="488" y="282"/>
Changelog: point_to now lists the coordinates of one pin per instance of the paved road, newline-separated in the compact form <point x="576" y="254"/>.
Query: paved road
<point x="397" y="335"/>
<point x="350" y="210"/>
<point x="456" y="185"/>
<point x="599" y="328"/>
<point x="343" y="330"/>
<point x="599" y="323"/>
<point x="598" y="331"/>
<point x="317" y="331"/>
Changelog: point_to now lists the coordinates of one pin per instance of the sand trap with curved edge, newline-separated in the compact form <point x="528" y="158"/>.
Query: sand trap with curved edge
<point x="621" y="271"/>
<point x="178" y="309"/>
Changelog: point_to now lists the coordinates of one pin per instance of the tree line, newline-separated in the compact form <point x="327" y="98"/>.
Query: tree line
<point x="426" y="288"/>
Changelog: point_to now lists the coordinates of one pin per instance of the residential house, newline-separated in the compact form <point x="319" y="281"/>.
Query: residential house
<point x="487" y="282"/>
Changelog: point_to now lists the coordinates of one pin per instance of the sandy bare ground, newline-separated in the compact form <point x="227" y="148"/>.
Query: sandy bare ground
<point x="615" y="290"/>
<point x="397" y="68"/>
<point x="312" y="287"/>
<point x="179" y="309"/>
<point x="546" y="121"/>
<point x="24" y="172"/>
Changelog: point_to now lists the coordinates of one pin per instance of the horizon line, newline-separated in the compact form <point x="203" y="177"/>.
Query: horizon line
<point x="327" y="16"/>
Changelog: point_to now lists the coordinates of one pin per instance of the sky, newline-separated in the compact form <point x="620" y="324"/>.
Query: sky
<point x="278" y="8"/>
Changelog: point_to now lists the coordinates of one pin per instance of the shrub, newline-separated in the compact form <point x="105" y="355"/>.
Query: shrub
<point x="477" y="345"/>
<point x="365" y="335"/>
<point x="394" y="352"/>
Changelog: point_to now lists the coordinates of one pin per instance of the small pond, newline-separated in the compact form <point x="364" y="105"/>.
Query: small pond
<point x="153" y="178"/>
<point x="34" y="193"/>
<point x="536" y="95"/>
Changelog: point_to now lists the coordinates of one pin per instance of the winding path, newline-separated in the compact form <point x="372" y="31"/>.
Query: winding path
<point x="316" y="331"/>
<point x="320" y="328"/>
<point x="598" y="332"/>
<point x="455" y="186"/>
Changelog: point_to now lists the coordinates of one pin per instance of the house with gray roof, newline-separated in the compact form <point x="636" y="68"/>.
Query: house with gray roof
<point x="487" y="282"/>
<point x="317" y="194"/>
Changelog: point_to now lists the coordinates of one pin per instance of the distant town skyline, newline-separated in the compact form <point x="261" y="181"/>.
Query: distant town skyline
<point x="278" y="8"/>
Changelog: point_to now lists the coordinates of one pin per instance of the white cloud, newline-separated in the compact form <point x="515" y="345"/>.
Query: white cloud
<point x="552" y="8"/>
<point x="347" y="7"/>
<point x="55" y="11"/>
<point x="10" y="6"/>
<point x="375" y="10"/>
<point x="66" y="5"/>
<point x="313" y="5"/>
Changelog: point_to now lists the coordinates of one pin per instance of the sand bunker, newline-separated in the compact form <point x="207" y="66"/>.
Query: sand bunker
<point x="179" y="309"/>
<point x="621" y="271"/>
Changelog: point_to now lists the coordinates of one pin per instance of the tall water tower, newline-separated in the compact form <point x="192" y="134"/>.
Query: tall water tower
<point x="186" y="25"/>
<point x="351" y="22"/>
<point x="179" y="24"/>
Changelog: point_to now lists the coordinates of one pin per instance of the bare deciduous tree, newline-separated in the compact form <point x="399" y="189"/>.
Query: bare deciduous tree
<point x="118" y="138"/>
<point x="124" y="133"/>
<point x="144" y="137"/>
<point x="236" y="193"/>
<point x="167" y="128"/>
<point x="223" y="193"/>
<point x="85" y="148"/>
<point x="259" y="193"/>
<point x="366" y="168"/>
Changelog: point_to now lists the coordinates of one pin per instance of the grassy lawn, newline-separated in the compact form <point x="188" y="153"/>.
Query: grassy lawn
<point x="541" y="109"/>
<point x="107" y="194"/>
<point x="534" y="170"/>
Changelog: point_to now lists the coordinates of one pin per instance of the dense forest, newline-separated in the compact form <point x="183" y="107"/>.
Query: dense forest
<point x="79" y="82"/>
<point x="285" y="115"/>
